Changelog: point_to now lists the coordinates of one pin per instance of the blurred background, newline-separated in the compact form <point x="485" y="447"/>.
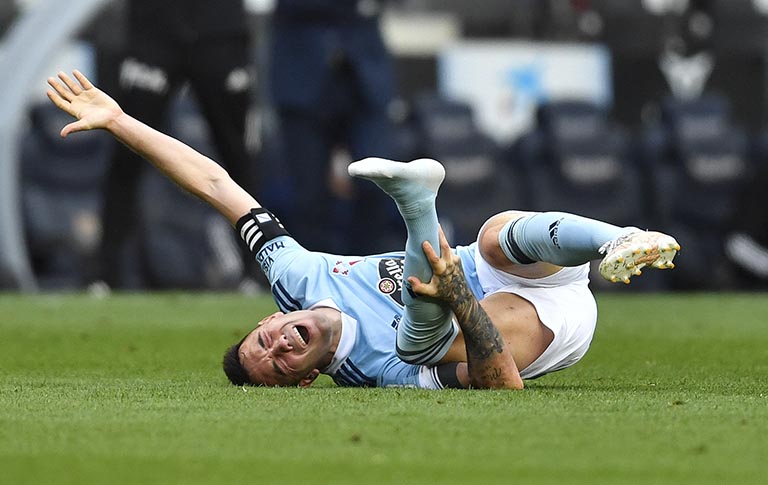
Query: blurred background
<point x="649" y="113"/>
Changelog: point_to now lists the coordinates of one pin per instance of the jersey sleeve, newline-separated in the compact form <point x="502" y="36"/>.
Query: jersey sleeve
<point x="296" y="276"/>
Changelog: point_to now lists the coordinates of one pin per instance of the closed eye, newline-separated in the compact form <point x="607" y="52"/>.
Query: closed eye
<point x="261" y="341"/>
<point x="275" y="367"/>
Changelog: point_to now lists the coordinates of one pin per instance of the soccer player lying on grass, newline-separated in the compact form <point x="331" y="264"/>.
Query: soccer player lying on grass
<point x="513" y="305"/>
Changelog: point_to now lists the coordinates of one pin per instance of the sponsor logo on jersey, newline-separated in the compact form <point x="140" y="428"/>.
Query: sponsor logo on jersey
<point x="264" y="257"/>
<point x="342" y="267"/>
<point x="391" y="278"/>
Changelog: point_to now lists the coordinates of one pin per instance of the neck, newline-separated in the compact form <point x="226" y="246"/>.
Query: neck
<point x="332" y="318"/>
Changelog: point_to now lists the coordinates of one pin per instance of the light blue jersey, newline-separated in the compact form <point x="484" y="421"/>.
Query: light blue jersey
<point x="368" y="292"/>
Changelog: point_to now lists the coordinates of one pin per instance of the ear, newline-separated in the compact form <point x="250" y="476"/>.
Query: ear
<point x="309" y="378"/>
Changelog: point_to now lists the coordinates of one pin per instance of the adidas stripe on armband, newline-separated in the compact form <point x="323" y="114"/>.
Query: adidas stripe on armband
<point x="258" y="227"/>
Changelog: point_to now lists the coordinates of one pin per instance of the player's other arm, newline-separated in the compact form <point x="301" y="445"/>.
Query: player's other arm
<point x="191" y="170"/>
<point x="490" y="363"/>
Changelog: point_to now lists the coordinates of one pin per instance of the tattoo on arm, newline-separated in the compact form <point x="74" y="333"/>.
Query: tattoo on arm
<point x="482" y="339"/>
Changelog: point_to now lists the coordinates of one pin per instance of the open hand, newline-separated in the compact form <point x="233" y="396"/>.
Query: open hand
<point x="81" y="99"/>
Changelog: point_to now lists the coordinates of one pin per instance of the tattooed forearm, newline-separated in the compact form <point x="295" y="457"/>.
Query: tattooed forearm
<point x="481" y="336"/>
<point x="493" y="374"/>
<point x="479" y="332"/>
<point x="489" y="361"/>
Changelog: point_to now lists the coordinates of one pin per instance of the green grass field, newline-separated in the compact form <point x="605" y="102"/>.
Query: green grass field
<point x="129" y="390"/>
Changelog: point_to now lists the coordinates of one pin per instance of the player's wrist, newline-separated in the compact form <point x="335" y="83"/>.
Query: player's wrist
<point x="117" y="122"/>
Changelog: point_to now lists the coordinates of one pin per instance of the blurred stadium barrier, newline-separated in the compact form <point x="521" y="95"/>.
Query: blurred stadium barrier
<point x="30" y="42"/>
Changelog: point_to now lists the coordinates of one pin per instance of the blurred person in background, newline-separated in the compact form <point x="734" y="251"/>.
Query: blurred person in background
<point x="167" y="44"/>
<point x="332" y="82"/>
<point x="747" y="244"/>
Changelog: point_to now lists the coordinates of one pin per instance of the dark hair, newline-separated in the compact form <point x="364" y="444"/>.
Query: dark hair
<point x="233" y="368"/>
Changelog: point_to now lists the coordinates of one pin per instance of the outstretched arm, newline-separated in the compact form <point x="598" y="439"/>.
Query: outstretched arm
<point x="489" y="362"/>
<point x="194" y="172"/>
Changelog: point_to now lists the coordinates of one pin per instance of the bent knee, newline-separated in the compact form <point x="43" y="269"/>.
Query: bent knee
<point x="488" y="239"/>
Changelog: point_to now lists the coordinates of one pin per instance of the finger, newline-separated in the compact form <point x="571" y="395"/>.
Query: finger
<point x="84" y="81"/>
<point x="437" y="264"/>
<point x="60" y="103"/>
<point x="57" y="100"/>
<point x="72" y="85"/>
<point x="60" y="89"/>
<point x="429" y="251"/>
<point x="414" y="282"/>
<point x="445" y="247"/>
<point x="73" y="127"/>
<point x="421" y="288"/>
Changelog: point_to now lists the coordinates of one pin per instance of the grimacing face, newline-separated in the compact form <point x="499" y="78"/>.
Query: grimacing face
<point x="287" y="349"/>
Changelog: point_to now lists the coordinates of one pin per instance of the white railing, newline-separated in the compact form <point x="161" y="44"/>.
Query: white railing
<point x="35" y="36"/>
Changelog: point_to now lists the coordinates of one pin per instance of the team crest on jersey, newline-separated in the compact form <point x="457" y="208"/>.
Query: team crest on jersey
<point x="342" y="267"/>
<point x="391" y="278"/>
<point x="387" y="286"/>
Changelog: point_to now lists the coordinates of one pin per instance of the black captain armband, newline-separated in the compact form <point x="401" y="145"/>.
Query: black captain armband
<point x="258" y="227"/>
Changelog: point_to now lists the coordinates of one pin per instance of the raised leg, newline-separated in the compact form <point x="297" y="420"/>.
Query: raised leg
<point x="427" y="329"/>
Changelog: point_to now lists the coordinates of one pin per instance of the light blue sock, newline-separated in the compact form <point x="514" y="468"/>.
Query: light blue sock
<point x="417" y="207"/>
<point x="556" y="237"/>
<point x="426" y="330"/>
<point x="413" y="186"/>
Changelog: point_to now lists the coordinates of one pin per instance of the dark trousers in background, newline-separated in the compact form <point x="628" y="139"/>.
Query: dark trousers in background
<point x="150" y="74"/>
<point x="752" y="207"/>
<point x="364" y="222"/>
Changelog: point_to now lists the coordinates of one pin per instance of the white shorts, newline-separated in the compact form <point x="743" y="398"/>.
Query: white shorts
<point x="564" y="304"/>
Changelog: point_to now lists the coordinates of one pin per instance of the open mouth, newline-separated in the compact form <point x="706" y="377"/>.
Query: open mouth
<point x="302" y="334"/>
